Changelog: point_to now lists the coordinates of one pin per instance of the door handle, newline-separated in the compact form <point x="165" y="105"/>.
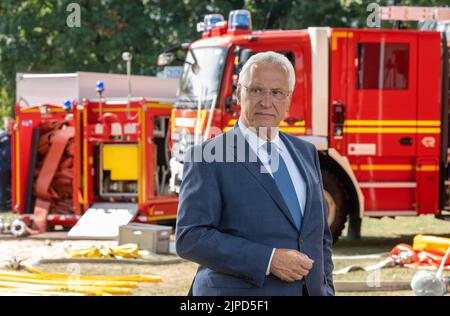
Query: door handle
<point x="406" y="141"/>
<point x="338" y="119"/>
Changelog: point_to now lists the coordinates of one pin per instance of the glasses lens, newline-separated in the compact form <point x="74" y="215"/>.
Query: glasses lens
<point x="257" y="92"/>
<point x="278" y="94"/>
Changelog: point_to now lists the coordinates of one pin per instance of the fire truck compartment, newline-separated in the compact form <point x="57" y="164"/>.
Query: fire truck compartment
<point x="120" y="161"/>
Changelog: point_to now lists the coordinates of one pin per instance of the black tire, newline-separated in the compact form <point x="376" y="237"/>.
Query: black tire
<point x="335" y="189"/>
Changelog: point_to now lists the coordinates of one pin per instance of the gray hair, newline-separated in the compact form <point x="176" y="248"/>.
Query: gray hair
<point x="268" y="57"/>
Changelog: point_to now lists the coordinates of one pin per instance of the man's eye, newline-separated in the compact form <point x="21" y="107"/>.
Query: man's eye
<point x="255" y="90"/>
<point x="277" y="93"/>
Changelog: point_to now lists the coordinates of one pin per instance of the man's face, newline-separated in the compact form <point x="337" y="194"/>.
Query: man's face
<point x="266" y="109"/>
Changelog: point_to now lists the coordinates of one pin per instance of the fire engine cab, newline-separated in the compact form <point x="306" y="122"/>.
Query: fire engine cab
<point x="374" y="102"/>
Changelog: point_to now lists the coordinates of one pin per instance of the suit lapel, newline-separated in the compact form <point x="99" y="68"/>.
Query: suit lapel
<point x="305" y="174"/>
<point x="265" y="179"/>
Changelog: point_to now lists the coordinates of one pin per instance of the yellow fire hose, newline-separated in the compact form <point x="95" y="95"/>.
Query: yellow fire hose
<point x="37" y="282"/>
<point x="63" y="276"/>
<point x="22" y="292"/>
<point x="89" y="290"/>
<point x="71" y="281"/>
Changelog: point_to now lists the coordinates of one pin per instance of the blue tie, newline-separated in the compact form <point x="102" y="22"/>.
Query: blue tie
<point x="286" y="187"/>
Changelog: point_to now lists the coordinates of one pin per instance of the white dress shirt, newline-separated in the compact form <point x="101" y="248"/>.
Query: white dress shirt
<point x="256" y="144"/>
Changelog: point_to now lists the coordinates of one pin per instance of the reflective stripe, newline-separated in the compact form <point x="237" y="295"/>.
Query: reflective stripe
<point x="114" y="110"/>
<point x="157" y="218"/>
<point x="391" y="123"/>
<point x="141" y="158"/>
<point x="336" y="35"/>
<point x="172" y="121"/>
<point x="386" y="167"/>
<point x="282" y="123"/>
<point x="391" y="213"/>
<point x="18" y="167"/>
<point x="293" y="129"/>
<point x="395" y="167"/>
<point x="391" y="130"/>
<point x="283" y="129"/>
<point x="159" y="105"/>
<point x="387" y="184"/>
<point x="85" y="158"/>
<point x="428" y="168"/>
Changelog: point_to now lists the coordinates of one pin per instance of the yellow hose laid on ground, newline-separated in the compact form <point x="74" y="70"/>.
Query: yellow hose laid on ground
<point x="32" y="289"/>
<point x="127" y="251"/>
<point x="70" y="281"/>
<point x="64" y="276"/>
<point x="37" y="282"/>
<point x="25" y="292"/>
<point x="89" y="290"/>
<point x="431" y="243"/>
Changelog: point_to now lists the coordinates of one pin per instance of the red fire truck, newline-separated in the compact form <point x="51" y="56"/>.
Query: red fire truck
<point x="100" y="153"/>
<point x="373" y="101"/>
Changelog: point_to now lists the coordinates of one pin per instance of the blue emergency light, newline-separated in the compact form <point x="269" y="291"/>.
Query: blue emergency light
<point x="211" y="20"/>
<point x="67" y="105"/>
<point x="240" y="20"/>
<point x="100" y="86"/>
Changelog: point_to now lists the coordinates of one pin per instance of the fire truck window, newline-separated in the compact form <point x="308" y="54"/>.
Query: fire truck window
<point x="382" y="66"/>
<point x="289" y="55"/>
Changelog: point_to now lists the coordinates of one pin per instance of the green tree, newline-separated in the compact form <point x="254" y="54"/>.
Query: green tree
<point x="34" y="36"/>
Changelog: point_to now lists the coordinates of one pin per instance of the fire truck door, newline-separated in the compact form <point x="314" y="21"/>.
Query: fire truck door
<point x="374" y="113"/>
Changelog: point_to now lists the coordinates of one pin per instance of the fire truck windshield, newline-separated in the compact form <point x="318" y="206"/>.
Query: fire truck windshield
<point x="203" y="80"/>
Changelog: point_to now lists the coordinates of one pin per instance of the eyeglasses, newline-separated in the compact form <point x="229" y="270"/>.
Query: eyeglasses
<point x="257" y="92"/>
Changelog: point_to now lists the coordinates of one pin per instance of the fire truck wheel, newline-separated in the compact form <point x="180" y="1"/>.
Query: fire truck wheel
<point x="334" y="195"/>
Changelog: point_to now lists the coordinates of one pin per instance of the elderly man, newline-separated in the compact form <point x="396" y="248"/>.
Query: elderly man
<point x="256" y="227"/>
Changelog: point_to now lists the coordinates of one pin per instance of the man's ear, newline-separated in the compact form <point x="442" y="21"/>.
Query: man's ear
<point x="238" y="94"/>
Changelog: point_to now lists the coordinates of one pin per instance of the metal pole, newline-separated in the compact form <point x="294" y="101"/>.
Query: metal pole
<point x="126" y="56"/>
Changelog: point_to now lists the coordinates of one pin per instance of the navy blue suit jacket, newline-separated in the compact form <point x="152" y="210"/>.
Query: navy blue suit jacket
<point x="231" y="216"/>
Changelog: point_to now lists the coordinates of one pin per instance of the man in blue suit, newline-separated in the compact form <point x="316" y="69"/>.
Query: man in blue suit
<point x="251" y="208"/>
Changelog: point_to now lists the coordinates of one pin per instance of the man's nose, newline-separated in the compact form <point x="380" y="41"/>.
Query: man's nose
<point x="266" y="99"/>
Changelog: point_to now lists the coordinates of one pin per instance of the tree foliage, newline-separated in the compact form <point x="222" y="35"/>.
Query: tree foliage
<point x="34" y="36"/>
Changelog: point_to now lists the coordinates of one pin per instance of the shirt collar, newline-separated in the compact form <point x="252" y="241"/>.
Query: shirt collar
<point x="254" y="141"/>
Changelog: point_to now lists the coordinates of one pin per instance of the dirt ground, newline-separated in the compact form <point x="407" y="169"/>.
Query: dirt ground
<point x="176" y="278"/>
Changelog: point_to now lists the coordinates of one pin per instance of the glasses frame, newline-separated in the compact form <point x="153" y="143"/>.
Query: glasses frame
<point x="289" y="93"/>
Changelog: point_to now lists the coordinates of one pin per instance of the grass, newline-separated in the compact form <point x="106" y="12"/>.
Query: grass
<point x="380" y="236"/>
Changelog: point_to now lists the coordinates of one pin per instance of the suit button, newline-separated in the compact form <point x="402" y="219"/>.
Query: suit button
<point x="300" y="241"/>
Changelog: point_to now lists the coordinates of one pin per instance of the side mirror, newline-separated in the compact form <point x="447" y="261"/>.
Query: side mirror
<point x="231" y="105"/>
<point x="165" y="59"/>
<point x="241" y="56"/>
<point x="245" y="55"/>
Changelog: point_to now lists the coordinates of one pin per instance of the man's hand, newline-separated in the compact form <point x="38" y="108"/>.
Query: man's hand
<point x="290" y="265"/>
